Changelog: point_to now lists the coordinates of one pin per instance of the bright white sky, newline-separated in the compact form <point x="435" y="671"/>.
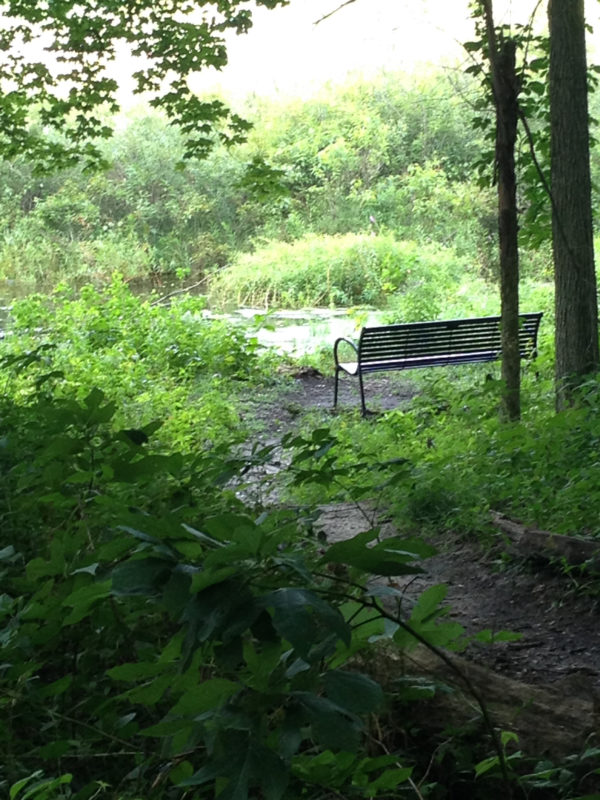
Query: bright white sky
<point x="287" y="53"/>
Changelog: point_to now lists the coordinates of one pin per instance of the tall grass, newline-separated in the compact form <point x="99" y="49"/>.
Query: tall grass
<point x="333" y="271"/>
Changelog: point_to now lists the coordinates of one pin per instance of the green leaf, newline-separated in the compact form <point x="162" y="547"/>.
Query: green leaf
<point x="83" y="599"/>
<point x="261" y="663"/>
<point x="206" y="696"/>
<point x="98" y="413"/>
<point x="176" y="594"/>
<point x="139" y="577"/>
<point x="42" y="789"/>
<point x="234" y="527"/>
<point x="427" y="606"/>
<point x="392" y="556"/>
<point x="274" y="773"/>
<point x="149" y="466"/>
<point x="353" y="691"/>
<point x="224" y="611"/>
<point x="508" y="736"/>
<point x="167" y="727"/>
<point x="135" y="436"/>
<point x="410" y="689"/>
<point x="181" y="771"/>
<point x="304" y="619"/>
<point x="57" y="749"/>
<point x="135" y="671"/>
<point x="210" y="577"/>
<point x="332" y="726"/>
<point x="91" y="569"/>
<point x="486" y="765"/>
<point x="388" y="780"/>
<point x="56" y="687"/>
<point x="152" y="692"/>
<point x="60" y="446"/>
<point x="16" y="787"/>
<point x="7" y="553"/>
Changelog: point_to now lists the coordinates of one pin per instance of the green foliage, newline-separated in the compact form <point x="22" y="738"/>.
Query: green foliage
<point x="57" y="116"/>
<point x="386" y="157"/>
<point x="153" y="360"/>
<point x="143" y="217"/>
<point x="459" y="461"/>
<point x="367" y="151"/>
<point x="532" y="149"/>
<point x="427" y="205"/>
<point x="160" y="637"/>
<point x="163" y="635"/>
<point x="330" y="271"/>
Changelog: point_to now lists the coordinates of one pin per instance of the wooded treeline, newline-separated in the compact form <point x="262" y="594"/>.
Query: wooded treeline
<point x="394" y="155"/>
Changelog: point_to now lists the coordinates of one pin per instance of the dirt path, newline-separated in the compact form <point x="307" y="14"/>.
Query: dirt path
<point x="560" y="631"/>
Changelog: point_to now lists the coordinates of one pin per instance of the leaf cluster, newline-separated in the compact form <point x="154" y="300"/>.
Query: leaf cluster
<point x="57" y="62"/>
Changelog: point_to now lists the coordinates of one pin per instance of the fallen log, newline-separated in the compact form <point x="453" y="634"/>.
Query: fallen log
<point x="528" y="541"/>
<point x="555" y="720"/>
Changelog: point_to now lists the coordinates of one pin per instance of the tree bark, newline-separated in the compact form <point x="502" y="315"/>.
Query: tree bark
<point x="528" y="541"/>
<point x="556" y="720"/>
<point x="508" y="226"/>
<point x="505" y="86"/>
<point x="576" y="304"/>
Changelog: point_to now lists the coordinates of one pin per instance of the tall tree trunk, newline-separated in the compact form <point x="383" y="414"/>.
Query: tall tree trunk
<point x="508" y="227"/>
<point x="505" y="87"/>
<point x="576" y="303"/>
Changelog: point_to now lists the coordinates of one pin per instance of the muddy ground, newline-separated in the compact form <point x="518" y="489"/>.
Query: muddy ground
<point x="560" y="628"/>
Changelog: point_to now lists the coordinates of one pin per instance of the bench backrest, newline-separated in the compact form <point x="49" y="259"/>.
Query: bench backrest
<point x="452" y="341"/>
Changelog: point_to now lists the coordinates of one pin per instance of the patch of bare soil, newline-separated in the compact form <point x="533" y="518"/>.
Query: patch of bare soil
<point x="560" y="642"/>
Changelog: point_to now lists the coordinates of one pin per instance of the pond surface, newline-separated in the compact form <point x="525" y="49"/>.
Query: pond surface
<point x="307" y="330"/>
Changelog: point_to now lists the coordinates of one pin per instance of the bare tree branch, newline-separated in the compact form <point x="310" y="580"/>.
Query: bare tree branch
<point x="335" y="10"/>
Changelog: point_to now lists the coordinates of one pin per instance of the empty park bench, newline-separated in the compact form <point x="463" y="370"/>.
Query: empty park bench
<point x="416" y="345"/>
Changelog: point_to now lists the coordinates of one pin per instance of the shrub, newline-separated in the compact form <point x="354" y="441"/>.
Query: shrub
<point x="153" y="360"/>
<point x="329" y="271"/>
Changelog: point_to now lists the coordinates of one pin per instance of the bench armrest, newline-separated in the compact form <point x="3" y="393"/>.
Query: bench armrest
<point x="338" y="342"/>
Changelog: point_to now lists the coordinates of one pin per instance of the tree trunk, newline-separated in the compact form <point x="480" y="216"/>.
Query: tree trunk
<point x="505" y="86"/>
<point x="576" y="302"/>
<point x="508" y="226"/>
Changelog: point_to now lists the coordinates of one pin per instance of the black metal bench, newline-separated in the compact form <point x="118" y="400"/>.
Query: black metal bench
<point x="430" y="344"/>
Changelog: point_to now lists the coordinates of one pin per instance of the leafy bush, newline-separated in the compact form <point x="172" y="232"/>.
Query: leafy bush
<point x="164" y="637"/>
<point x="161" y="638"/>
<point x="153" y="360"/>
<point x="328" y="271"/>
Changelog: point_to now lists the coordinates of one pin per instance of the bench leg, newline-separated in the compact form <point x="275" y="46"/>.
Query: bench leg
<point x="362" y="391"/>
<point x="335" y="388"/>
<point x="362" y="394"/>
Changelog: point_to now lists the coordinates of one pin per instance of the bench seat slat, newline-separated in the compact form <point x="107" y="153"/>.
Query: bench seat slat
<point x="481" y="356"/>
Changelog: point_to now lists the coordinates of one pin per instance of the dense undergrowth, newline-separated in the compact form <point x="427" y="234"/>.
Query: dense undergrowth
<point x="165" y="635"/>
<point x="460" y="461"/>
<point x="356" y="153"/>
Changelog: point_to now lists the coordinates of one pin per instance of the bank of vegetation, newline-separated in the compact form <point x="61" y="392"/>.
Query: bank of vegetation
<point x="394" y="158"/>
